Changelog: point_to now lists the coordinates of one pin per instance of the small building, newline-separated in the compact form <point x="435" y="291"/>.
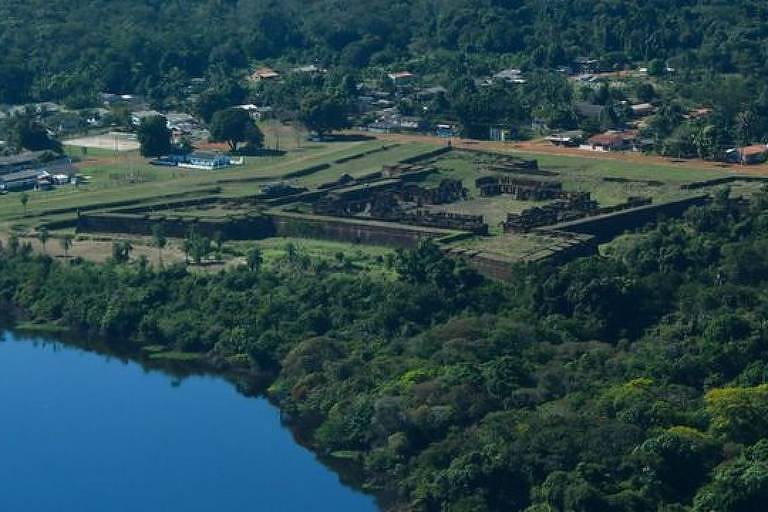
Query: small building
<point x="206" y="161"/>
<point x="256" y="112"/>
<point x="611" y="141"/>
<point x="698" y="113"/>
<point x="20" y="162"/>
<point x="642" y="109"/>
<point x="20" y="180"/>
<point x="139" y="116"/>
<point x="500" y="134"/>
<point x="411" y="123"/>
<point x="748" y="155"/>
<point x="431" y="92"/>
<point x="510" y="76"/>
<point x="401" y="77"/>
<point x="310" y="69"/>
<point x="569" y="139"/>
<point x="382" y="127"/>
<point x="587" y="64"/>
<point x="445" y="130"/>
<point x="264" y="73"/>
<point x="179" y="120"/>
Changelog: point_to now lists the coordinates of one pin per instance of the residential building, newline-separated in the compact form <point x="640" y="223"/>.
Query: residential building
<point x="568" y="138"/>
<point x="401" y="77"/>
<point x="264" y="73"/>
<point x="139" y="116"/>
<point x="643" y="109"/>
<point x="20" y="180"/>
<point x="612" y="141"/>
<point x="20" y="162"/>
<point x="510" y="76"/>
<point x="748" y="155"/>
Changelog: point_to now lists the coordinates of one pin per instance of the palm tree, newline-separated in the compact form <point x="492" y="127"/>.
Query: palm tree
<point x="255" y="259"/>
<point x="43" y="236"/>
<point x="159" y="241"/>
<point x="24" y="200"/>
<point x="121" y="251"/>
<point x="218" y="240"/>
<point x="66" y="244"/>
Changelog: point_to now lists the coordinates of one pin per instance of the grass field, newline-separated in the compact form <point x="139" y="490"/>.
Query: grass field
<point x="129" y="177"/>
<point x="125" y="176"/>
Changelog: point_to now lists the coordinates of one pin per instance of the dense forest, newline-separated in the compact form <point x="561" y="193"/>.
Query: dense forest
<point x="53" y="48"/>
<point x="627" y="382"/>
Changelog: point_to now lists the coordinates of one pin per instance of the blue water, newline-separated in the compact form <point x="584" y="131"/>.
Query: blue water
<point x="84" y="432"/>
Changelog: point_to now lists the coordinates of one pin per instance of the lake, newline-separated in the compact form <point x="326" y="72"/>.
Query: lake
<point x="81" y="431"/>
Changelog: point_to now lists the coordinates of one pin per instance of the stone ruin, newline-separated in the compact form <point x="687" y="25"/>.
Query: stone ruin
<point x="446" y="220"/>
<point x="516" y="166"/>
<point x="576" y="205"/>
<point x="406" y="171"/>
<point x="394" y="201"/>
<point x="522" y="189"/>
<point x="448" y="191"/>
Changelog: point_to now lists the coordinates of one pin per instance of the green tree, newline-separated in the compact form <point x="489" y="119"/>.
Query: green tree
<point x="739" y="414"/>
<point x="43" y="235"/>
<point x="27" y="133"/>
<point x="234" y="126"/>
<point x="254" y="259"/>
<point x="154" y="136"/>
<point x="218" y="242"/>
<point x="24" y="200"/>
<point x="121" y="251"/>
<point x="66" y="244"/>
<point x="323" y="113"/>
<point x="741" y="486"/>
<point x="159" y="241"/>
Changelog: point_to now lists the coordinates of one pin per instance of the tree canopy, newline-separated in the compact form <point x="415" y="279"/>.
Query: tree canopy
<point x="234" y="126"/>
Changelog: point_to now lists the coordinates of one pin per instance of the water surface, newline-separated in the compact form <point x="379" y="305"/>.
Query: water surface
<point x="82" y="432"/>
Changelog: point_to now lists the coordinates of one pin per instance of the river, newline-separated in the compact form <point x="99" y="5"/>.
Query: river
<point x="82" y="431"/>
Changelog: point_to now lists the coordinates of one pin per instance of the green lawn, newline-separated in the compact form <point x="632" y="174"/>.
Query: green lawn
<point x="129" y="177"/>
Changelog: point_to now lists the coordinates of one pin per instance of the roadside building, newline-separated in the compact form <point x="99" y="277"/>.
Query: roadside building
<point x="510" y="76"/>
<point x="643" y="109"/>
<point x="256" y="112"/>
<point x="264" y="74"/>
<point x="140" y="115"/>
<point x="20" y="162"/>
<point x="206" y="161"/>
<point x="500" y="134"/>
<point x="310" y="69"/>
<point x="612" y="141"/>
<point x="401" y="77"/>
<point x="430" y="92"/>
<point x="569" y="139"/>
<point x="20" y="180"/>
<point x="748" y="155"/>
<point x="446" y="130"/>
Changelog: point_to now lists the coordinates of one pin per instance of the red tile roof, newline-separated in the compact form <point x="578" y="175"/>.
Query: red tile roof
<point x="753" y="150"/>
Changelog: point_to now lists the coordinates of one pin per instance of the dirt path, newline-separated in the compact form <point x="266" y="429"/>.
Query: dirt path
<point x="542" y="147"/>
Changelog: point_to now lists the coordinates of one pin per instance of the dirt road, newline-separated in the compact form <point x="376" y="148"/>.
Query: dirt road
<point x="543" y="147"/>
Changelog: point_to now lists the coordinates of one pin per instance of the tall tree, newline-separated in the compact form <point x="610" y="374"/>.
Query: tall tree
<point x="235" y="126"/>
<point x="43" y="235"/>
<point x="154" y="136"/>
<point x="323" y="113"/>
<point x="24" y="200"/>
<point x="66" y="244"/>
<point x="159" y="241"/>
